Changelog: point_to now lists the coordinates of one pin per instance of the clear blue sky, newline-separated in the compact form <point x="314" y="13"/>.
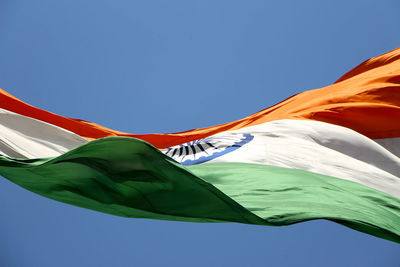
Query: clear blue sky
<point x="167" y="66"/>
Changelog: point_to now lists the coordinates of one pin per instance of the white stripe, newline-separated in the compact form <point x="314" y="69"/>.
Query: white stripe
<point x="391" y="144"/>
<point x="321" y="148"/>
<point x="24" y="137"/>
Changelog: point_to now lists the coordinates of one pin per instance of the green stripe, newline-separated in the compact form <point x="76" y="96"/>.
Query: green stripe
<point x="126" y="177"/>
<point x="130" y="178"/>
<point x="284" y="196"/>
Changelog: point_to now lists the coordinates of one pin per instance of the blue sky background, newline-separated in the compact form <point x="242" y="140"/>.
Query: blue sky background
<point x="168" y="66"/>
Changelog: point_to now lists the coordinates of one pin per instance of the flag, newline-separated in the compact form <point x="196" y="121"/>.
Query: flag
<point x="330" y="153"/>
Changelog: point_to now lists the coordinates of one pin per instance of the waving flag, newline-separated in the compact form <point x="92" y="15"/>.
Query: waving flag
<point x="330" y="153"/>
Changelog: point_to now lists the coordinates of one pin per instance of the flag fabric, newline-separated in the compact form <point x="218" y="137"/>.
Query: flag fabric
<point x="331" y="153"/>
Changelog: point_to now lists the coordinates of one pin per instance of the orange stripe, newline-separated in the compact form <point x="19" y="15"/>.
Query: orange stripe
<point x="366" y="99"/>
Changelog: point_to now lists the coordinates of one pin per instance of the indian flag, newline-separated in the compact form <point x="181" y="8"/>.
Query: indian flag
<point x="330" y="153"/>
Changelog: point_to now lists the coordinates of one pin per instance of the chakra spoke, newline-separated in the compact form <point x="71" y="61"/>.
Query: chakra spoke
<point x="202" y="150"/>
